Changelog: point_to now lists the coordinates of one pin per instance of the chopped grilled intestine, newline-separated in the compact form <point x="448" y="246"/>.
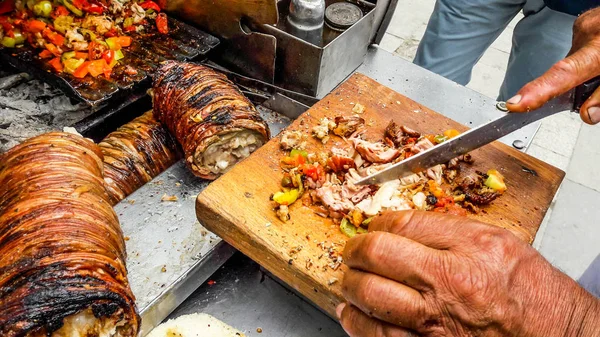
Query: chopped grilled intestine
<point x="374" y="152"/>
<point x="136" y="153"/>
<point x="347" y="126"/>
<point x="62" y="252"/>
<point x="215" y="124"/>
<point x="475" y="191"/>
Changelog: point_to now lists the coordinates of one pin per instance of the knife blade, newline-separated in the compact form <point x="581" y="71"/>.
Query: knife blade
<point x="482" y="135"/>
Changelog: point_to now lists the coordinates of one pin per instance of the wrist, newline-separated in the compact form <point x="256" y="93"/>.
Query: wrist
<point x="585" y="321"/>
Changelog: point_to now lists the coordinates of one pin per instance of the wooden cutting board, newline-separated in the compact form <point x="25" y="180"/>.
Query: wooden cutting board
<point x="237" y="208"/>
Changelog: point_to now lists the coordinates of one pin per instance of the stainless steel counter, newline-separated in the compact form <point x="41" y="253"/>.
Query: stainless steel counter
<point x="247" y="298"/>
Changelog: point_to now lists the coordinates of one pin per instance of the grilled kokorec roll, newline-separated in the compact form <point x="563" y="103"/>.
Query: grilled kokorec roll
<point x="136" y="153"/>
<point x="213" y="121"/>
<point x="62" y="254"/>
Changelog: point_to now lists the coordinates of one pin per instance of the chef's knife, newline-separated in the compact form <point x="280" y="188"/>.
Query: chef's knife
<point x="480" y="136"/>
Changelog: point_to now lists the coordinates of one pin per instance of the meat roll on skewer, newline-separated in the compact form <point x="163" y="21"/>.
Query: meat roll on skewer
<point x="62" y="254"/>
<point x="136" y="153"/>
<point x="215" y="124"/>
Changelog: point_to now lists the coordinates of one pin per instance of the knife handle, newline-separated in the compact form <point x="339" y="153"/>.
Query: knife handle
<point x="584" y="91"/>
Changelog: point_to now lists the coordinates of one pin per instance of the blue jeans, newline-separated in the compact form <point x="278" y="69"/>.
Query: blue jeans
<point x="460" y="31"/>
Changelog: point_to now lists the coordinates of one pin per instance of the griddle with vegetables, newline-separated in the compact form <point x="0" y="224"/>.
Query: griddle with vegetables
<point x="94" y="49"/>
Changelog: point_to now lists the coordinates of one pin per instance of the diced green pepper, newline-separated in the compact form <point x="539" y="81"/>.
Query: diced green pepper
<point x="43" y="8"/>
<point x="72" y="64"/>
<point x="295" y="153"/>
<point x="348" y="228"/>
<point x="63" y="23"/>
<point x="119" y="55"/>
<point x="286" y="198"/>
<point x="67" y="55"/>
<point x="19" y="38"/>
<point x="361" y="230"/>
<point x="440" y="139"/>
<point x="113" y="44"/>
<point x="128" y="22"/>
<point x="297" y="180"/>
<point x="367" y="222"/>
<point x="8" y="42"/>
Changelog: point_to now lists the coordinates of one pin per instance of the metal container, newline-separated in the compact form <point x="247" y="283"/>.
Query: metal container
<point x="315" y="69"/>
<point x="305" y="20"/>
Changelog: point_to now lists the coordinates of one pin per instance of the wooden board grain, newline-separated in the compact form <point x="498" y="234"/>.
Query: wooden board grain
<point x="237" y="207"/>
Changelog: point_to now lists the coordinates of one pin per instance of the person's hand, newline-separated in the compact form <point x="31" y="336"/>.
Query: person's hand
<point x="582" y="64"/>
<point x="428" y="274"/>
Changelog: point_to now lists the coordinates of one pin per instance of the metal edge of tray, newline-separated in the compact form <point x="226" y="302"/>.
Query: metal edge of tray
<point x="161" y="307"/>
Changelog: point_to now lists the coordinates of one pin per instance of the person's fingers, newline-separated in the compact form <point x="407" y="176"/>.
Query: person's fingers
<point x="581" y="66"/>
<point x="394" y="257"/>
<point x="590" y="111"/>
<point x="358" y="324"/>
<point x="435" y="230"/>
<point x="387" y="300"/>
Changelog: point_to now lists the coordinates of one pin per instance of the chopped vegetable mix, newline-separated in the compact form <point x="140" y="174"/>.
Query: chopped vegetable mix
<point x="78" y="33"/>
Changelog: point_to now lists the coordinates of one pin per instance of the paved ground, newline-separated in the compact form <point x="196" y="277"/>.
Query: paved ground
<point x="570" y="235"/>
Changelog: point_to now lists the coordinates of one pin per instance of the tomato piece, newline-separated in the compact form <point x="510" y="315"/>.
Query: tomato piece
<point x="108" y="56"/>
<point x="22" y="15"/>
<point x="150" y="5"/>
<point x="60" y="11"/>
<point x="53" y="49"/>
<point x="111" y="33"/>
<point x="55" y="38"/>
<point x="129" y="29"/>
<point x="36" y="26"/>
<point x="444" y="202"/>
<point x="124" y="41"/>
<point x="162" y="23"/>
<point x="6" y="25"/>
<point x="82" y="71"/>
<point x="95" y="50"/>
<point x="56" y="64"/>
<point x="46" y="54"/>
<point x="7" y="6"/>
<point x="94" y="9"/>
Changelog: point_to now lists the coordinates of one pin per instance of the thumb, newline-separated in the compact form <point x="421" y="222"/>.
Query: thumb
<point x="565" y="75"/>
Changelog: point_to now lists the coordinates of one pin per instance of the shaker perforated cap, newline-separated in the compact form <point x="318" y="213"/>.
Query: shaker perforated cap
<point x="342" y="15"/>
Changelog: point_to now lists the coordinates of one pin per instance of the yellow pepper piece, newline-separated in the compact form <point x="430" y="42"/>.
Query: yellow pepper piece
<point x="495" y="181"/>
<point x="451" y="133"/>
<point x="286" y="198"/>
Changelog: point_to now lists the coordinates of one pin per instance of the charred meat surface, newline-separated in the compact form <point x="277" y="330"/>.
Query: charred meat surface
<point x="136" y="153"/>
<point x="215" y="124"/>
<point x="62" y="253"/>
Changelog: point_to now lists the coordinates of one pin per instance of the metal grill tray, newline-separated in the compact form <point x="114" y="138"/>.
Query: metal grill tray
<point x="183" y="43"/>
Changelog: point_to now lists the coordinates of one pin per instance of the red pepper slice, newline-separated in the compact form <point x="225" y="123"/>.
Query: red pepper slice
<point x="6" y="25"/>
<point x="52" y="48"/>
<point x="46" y="54"/>
<point x="150" y="5"/>
<point x="55" y="38"/>
<point x="129" y="29"/>
<point x="36" y="26"/>
<point x="56" y="64"/>
<point x="7" y="6"/>
<point x="60" y="11"/>
<point x="94" y="9"/>
<point x="162" y="23"/>
<point x="108" y="56"/>
<point x="83" y="70"/>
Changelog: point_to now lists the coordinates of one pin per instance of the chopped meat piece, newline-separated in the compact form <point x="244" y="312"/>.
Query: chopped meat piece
<point x="394" y="134"/>
<point x="346" y="126"/>
<point x="358" y="108"/>
<point x="475" y="191"/>
<point x="340" y="164"/>
<point x="331" y="196"/>
<point x="454" y="163"/>
<point x="450" y="175"/>
<point x="410" y="132"/>
<point x="422" y="145"/>
<point x="321" y="131"/>
<point x="355" y="193"/>
<point x="293" y="140"/>
<point x="420" y="201"/>
<point x="436" y="173"/>
<point x="413" y="179"/>
<point x="374" y="152"/>
<point x="283" y="212"/>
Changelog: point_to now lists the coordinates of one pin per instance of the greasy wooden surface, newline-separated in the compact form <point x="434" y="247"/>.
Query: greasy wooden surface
<point x="237" y="207"/>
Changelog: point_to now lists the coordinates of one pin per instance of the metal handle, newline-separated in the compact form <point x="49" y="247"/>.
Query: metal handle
<point x="584" y="91"/>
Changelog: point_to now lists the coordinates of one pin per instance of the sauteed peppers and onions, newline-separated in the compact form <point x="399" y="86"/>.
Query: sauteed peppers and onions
<point x="79" y="37"/>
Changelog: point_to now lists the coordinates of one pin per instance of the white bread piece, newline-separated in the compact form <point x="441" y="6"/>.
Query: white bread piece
<point x="195" y="325"/>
